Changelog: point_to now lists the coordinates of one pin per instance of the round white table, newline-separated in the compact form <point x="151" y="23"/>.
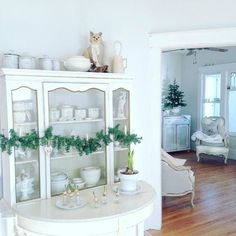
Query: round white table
<point x="124" y="216"/>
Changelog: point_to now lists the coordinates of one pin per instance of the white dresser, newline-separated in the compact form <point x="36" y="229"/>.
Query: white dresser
<point x="176" y="133"/>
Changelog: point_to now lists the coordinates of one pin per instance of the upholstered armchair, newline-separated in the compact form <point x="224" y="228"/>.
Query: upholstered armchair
<point x="177" y="179"/>
<point x="213" y="139"/>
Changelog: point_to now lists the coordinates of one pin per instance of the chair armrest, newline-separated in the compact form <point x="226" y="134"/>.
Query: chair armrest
<point x="198" y="142"/>
<point x="177" y="168"/>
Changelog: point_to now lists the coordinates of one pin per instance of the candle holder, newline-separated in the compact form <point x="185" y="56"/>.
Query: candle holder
<point x="104" y="196"/>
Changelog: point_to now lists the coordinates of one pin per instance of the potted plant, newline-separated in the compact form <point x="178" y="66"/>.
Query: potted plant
<point x="174" y="98"/>
<point x="128" y="176"/>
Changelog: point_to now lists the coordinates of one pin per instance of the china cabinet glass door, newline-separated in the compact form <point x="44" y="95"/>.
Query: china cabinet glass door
<point x="76" y="111"/>
<point x="121" y="117"/>
<point x="25" y="119"/>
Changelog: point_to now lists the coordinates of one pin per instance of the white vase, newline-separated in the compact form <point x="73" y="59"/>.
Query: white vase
<point x="128" y="182"/>
<point x="175" y="110"/>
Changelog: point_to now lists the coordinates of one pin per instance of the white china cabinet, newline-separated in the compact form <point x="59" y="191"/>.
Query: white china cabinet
<point x="73" y="103"/>
<point x="176" y="133"/>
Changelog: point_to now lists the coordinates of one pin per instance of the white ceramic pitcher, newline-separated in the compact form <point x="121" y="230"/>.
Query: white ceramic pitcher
<point x="119" y="64"/>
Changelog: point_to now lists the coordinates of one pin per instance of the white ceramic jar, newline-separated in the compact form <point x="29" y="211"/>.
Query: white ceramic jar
<point x="45" y="63"/>
<point x="80" y="114"/>
<point x="93" y="112"/>
<point x="54" y="114"/>
<point x="10" y="60"/>
<point x="26" y="62"/>
<point x="56" y="64"/>
<point x="67" y="112"/>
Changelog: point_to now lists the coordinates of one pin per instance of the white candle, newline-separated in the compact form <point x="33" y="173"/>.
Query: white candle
<point x="87" y="137"/>
<point x="125" y="129"/>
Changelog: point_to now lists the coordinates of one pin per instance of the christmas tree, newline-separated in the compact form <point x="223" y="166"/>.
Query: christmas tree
<point x="174" y="98"/>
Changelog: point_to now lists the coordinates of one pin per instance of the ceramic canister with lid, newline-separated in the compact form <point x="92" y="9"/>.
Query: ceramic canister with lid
<point x="80" y="113"/>
<point x="67" y="112"/>
<point x="26" y="62"/>
<point x="93" y="112"/>
<point x="45" y="63"/>
<point x="54" y="114"/>
<point x="10" y="60"/>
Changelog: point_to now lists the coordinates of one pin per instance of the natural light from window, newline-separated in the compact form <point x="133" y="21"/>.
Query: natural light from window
<point x="212" y="95"/>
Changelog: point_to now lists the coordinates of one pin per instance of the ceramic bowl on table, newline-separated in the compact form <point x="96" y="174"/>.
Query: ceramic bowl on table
<point x="91" y="175"/>
<point x="77" y="63"/>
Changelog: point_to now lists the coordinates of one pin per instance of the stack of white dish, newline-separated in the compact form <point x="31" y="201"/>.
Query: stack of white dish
<point x="77" y="63"/>
<point x="79" y="183"/>
<point x="91" y="175"/>
<point x="59" y="181"/>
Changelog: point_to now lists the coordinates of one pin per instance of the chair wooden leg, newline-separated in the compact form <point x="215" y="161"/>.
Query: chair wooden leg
<point x="198" y="157"/>
<point x="225" y="159"/>
<point x="192" y="198"/>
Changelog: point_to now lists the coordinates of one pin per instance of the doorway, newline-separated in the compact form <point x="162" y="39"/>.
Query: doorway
<point x="176" y="40"/>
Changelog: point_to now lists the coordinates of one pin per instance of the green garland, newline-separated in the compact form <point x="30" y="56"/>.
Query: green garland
<point x="33" y="141"/>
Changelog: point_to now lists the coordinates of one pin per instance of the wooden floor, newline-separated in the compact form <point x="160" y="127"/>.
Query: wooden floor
<point x="215" y="201"/>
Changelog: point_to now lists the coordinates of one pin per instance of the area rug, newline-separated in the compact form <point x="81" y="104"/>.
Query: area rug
<point x="146" y="233"/>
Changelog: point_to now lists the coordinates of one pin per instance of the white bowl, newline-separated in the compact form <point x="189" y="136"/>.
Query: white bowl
<point x="58" y="176"/>
<point x="77" y="63"/>
<point x="90" y="175"/>
<point x="59" y="186"/>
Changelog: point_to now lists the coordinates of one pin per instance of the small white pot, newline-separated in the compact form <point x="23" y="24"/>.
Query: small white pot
<point x="128" y="183"/>
<point x="175" y="110"/>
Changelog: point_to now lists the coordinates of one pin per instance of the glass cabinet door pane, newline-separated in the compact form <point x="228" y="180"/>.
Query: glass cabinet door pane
<point x="121" y="116"/>
<point x="25" y="119"/>
<point x="77" y="113"/>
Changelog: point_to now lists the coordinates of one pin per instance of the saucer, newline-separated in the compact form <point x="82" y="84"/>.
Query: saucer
<point x="59" y="204"/>
<point x="128" y="193"/>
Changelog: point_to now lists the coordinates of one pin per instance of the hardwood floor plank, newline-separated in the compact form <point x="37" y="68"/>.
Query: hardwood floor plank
<point x="215" y="201"/>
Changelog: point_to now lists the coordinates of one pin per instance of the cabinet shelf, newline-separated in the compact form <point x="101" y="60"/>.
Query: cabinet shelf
<point x="76" y="121"/>
<point x="74" y="155"/>
<point x="119" y="119"/>
<point x="119" y="149"/>
<point x="25" y="124"/>
<point x="25" y="162"/>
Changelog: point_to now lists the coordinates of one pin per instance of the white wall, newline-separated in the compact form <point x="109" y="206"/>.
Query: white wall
<point x="171" y="68"/>
<point x="60" y="28"/>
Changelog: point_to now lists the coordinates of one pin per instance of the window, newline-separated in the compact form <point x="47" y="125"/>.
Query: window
<point x="218" y="93"/>
<point x="211" y="95"/>
<point x="232" y="102"/>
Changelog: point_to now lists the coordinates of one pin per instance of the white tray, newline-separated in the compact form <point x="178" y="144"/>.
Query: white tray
<point x="60" y="205"/>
